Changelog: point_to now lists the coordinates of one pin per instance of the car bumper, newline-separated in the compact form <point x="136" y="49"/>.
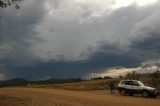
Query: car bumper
<point x="157" y="93"/>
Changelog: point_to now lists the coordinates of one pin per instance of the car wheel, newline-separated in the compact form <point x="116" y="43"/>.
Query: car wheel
<point x="145" y="93"/>
<point x="123" y="92"/>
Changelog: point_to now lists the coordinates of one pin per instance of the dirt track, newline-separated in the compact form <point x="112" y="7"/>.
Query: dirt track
<point x="52" y="97"/>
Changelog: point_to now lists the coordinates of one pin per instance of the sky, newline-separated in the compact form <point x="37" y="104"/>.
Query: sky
<point x="73" y="38"/>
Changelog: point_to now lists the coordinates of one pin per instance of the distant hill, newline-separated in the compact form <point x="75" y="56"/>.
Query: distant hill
<point x="14" y="82"/>
<point x="25" y="82"/>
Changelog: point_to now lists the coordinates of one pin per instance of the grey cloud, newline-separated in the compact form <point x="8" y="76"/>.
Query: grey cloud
<point x="72" y="39"/>
<point x="146" y="42"/>
<point x="16" y="31"/>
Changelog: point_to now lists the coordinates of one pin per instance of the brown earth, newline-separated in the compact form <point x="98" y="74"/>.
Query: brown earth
<point x="54" y="97"/>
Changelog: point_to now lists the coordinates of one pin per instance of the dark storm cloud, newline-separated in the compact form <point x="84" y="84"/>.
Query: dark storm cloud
<point x="16" y="32"/>
<point x="107" y="56"/>
<point x="148" y="48"/>
<point x="68" y="39"/>
<point x="145" y="46"/>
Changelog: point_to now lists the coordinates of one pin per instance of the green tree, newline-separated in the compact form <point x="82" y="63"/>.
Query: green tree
<point x="132" y="76"/>
<point x="128" y="76"/>
<point x="120" y="76"/>
<point x="156" y="75"/>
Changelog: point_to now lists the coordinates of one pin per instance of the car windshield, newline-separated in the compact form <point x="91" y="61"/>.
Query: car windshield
<point x="140" y="83"/>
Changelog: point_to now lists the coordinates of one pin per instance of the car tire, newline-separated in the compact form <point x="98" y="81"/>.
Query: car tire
<point x="145" y="93"/>
<point x="123" y="92"/>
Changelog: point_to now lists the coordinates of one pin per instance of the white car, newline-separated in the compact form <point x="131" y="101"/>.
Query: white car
<point x="132" y="87"/>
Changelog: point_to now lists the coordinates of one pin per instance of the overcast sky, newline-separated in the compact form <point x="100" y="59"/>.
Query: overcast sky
<point x="71" y="38"/>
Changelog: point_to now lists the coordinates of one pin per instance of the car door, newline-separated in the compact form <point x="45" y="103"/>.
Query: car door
<point x="128" y="85"/>
<point x="135" y="86"/>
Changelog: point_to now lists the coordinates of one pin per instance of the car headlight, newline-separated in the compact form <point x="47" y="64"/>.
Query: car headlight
<point x="152" y="90"/>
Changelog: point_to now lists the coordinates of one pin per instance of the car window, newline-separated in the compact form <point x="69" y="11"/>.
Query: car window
<point x="140" y="83"/>
<point x="123" y="82"/>
<point x="135" y="83"/>
<point x="127" y="82"/>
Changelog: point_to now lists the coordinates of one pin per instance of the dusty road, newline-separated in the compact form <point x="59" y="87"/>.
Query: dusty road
<point x="52" y="97"/>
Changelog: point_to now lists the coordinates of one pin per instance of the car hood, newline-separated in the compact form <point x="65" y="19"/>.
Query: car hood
<point x="149" y="88"/>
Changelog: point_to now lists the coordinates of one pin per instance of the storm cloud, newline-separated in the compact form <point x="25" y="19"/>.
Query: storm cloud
<point x="71" y="38"/>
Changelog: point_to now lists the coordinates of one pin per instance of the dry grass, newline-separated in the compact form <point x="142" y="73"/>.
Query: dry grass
<point x="95" y="84"/>
<point x="80" y="86"/>
<point x="6" y="100"/>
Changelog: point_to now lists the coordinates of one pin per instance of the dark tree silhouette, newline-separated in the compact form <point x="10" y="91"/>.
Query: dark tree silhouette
<point x="132" y="76"/>
<point x="7" y="3"/>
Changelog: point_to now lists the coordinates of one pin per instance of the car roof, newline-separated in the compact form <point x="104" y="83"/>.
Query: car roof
<point x="129" y="80"/>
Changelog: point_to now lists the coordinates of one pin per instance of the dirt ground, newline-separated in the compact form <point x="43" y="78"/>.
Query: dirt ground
<point x="53" y="97"/>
